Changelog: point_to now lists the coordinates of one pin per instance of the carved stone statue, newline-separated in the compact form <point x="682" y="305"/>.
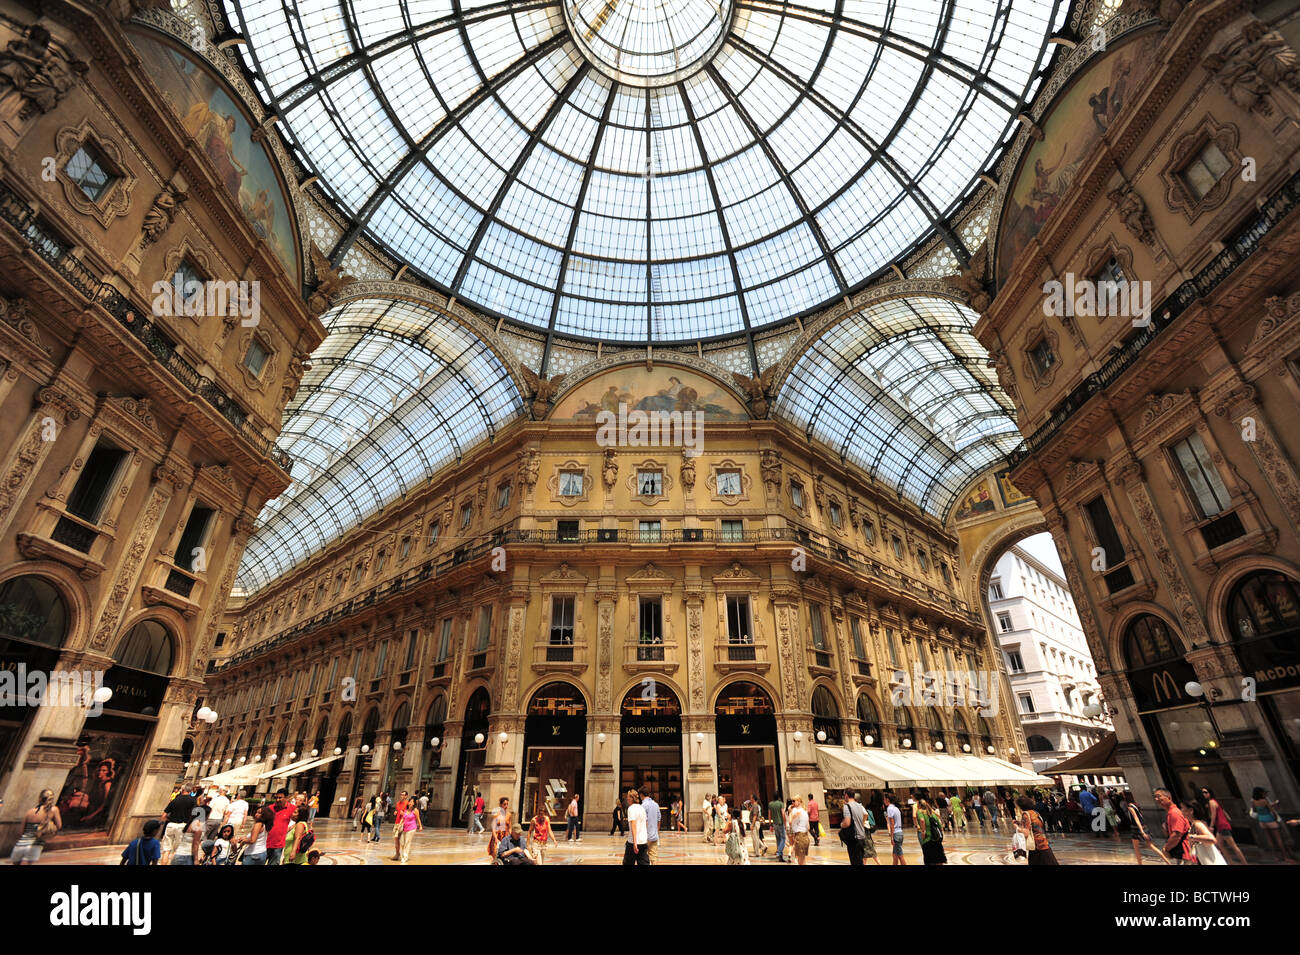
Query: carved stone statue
<point x="544" y="391"/>
<point x="162" y="213"/>
<point x="329" y="282"/>
<point x="1252" y="64"/>
<point x="688" y="472"/>
<point x="973" y="280"/>
<point x="33" y="76"/>
<point x="1001" y="365"/>
<point x="1133" y="213"/>
<point x="770" y="463"/>
<point x="528" y="468"/>
<point x="757" y="389"/>
<point x="609" y="472"/>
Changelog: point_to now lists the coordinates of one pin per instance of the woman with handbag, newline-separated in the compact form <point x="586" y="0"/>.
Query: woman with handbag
<point x="1035" y="830"/>
<point x="734" y="842"/>
<point x="39" y="823"/>
<point x="1264" y="811"/>
<point x="929" y="824"/>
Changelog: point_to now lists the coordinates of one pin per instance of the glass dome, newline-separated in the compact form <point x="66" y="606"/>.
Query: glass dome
<point x="647" y="170"/>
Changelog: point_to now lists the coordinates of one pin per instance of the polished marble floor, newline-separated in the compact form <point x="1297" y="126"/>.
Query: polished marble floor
<point x="340" y="845"/>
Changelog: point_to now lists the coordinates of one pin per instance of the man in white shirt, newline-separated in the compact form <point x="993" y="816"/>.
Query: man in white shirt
<point x="236" y="812"/>
<point x="797" y="824"/>
<point x="634" y="851"/>
<point x="894" y="818"/>
<point x="217" y="807"/>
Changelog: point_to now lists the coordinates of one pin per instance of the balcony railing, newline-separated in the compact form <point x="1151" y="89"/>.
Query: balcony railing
<point x="74" y="533"/>
<point x="1238" y="248"/>
<point x="49" y="247"/>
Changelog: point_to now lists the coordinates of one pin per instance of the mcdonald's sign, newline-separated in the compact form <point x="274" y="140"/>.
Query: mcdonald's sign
<point x="1161" y="685"/>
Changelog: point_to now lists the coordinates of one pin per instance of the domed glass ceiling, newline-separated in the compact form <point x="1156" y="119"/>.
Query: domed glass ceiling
<point x="646" y="170"/>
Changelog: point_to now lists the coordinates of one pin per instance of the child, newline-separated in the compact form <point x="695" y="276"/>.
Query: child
<point x="145" y="849"/>
<point x="1018" y="847"/>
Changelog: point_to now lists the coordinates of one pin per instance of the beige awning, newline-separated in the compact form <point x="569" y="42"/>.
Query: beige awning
<point x="288" y="769"/>
<point x="239" y="776"/>
<point x="311" y="764"/>
<point x="881" y="769"/>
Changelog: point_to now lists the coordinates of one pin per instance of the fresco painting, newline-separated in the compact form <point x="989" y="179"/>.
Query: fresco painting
<point x="1074" y="123"/>
<point x="665" y="389"/>
<point x="978" y="501"/>
<point x="219" y="126"/>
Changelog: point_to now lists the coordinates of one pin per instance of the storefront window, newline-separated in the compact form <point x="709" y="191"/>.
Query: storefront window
<point x="555" y="737"/>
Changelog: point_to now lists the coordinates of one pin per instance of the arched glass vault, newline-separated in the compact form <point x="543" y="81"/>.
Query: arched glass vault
<point x="647" y="170"/>
<point x="901" y="389"/>
<point x="396" y="391"/>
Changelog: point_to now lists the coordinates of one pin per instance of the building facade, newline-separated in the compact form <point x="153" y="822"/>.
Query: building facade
<point x="1050" y="668"/>
<point x="1145" y="321"/>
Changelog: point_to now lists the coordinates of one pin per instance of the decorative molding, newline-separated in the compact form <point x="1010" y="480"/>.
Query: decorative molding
<point x="711" y="482"/>
<point x="1177" y="196"/>
<point x="665" y="480"/>
<point x="116" y="200"/>
<point x="553" y="484"/>
<point x="1035" y="334"/>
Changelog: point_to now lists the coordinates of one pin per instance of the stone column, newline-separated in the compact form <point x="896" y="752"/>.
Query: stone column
<point x="602" y="782"/>
<point x="55" y="410"/>
<point x="701" y="765"/>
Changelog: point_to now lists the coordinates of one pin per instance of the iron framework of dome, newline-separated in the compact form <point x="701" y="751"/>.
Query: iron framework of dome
<point x="646" y="170"/>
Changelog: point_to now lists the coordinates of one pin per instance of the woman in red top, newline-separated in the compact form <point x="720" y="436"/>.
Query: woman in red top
<point x="539" y="834"/>
<point x="1031" y="824"/>
<point x="1222" y="826"/>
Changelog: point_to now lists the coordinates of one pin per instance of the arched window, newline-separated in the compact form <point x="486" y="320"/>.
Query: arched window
<point x="322" y="731"/>
<point x="1039" y="744"/>
<point x="402" y="717"/>
<point x="557" y="699"/>
<point x="266" y="745"/>
<point x="961" y="729"/>
<point x="986" y="736"/>
<point x="345" y="731"/>
<point x="147" y="647"/>
<point x="935" y="726"/>
<point x="868" y="721"/>
<point x="1148" y="640"/>
<point x="478" y="707"/>
<point x="744" y="699"/>
<point x="300" y="740"/>
<point x="826" y="717"/>
<point x="370" y="727"/>
<point x="32" y="610"/>
<point x="906" y="733"/>
<point x="650" y="700"/>
<point x="1263" y="604"/>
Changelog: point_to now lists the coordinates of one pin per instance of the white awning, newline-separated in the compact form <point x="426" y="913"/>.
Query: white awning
<point x="311" y="764"/>
<point x="881" y="769"/>
<point x="287" y="769"/>
<point x="239" y="776"/>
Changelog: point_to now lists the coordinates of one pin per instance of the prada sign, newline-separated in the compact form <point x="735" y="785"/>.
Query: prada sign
<point x="555" y="730"/>
<point x="134" y="691"/>
<point x="1162" y="686"/>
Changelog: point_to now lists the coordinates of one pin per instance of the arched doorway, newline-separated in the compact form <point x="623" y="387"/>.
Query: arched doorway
<point x="1263" y="618"/>
<point x="397" y="749"/>
<point x="33" y="626"/>
<point x="555" y="749"/>
<point x="369" y="730"/>
<point x="748" y="762"/>
<point x="650" y="742"/>
<point x="473" y="750"/>
<point x="826" y="718"/>
<point x="110" y="743"/>
<point x="961" y="731"/>
<point x="1183" y="738"/>
<point x="435" y="730"/>
<point x="934" y="726"/>
<point x="903" y="727"/>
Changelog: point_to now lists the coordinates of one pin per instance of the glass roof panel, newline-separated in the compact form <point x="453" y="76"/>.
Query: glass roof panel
<point x="394" y="392"/>
<point x="783" y="152"/>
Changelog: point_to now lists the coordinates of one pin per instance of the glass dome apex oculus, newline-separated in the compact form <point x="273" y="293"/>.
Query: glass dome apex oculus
<point x="648" y="42"/>
<point x="485" y="144"/>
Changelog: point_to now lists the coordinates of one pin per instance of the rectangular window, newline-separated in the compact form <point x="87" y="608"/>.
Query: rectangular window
<point x="406" y="547"/>
<point x="433" y="533"/>
<point x="380" y="659"/>
<point x="466" y="515"/>
<point x="738" y="623"/>
<point x="892" y="646"/>
<point x="1103" y="528"/>
<point x="338" y="584"/>
<point x="729" y="484"/>
<point x="1205" y="170"/>
<point x="836" y="515"/>
<point x="256" y="356"/>
<point x="650" y="620"/>
<point x="869" y="532"/>
<point x="356" y="666"/>
<point x="92" y="487"/>
<point x="1027" y="703"/>
<point x="855" y="631"/>
<point x="562" y="620"/>
<point x="897" y="544"/>
<point x="649" y="531"/>
<point x="380" y="562"/>
<point x="334" y="674"/>
<point x="503" y="497"/>
<point x="995" y="590"/>
<point x="733" y="530"/>
<point x="571" y="483"/>
<point x="796" y="496"/>
<point x="566" y="530"/>
<point x="444" y="640"/>
<point x="311" y="681"/>
<point x="1004" y="622"/>
<point x="1201" y="475"/>
<point x="88" y="170"/>
<point x="189" y="554"/>
<point x="357" y="571"/>
<point x="484" y="629"/>
<point x="412" y="640"/>
<point x="221" y="639"/>
<point x="1014" y="663"/>
<point x="818" y="628"/>
<point x="650" y="483"/>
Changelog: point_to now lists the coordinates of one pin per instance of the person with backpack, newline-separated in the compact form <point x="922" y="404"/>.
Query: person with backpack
<point x="299" y="839"/>
<point x="853" y="828"/>
<point x="144" y="849"/>
<point x="868" y="845"/>
<point x="930" y="826"/>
